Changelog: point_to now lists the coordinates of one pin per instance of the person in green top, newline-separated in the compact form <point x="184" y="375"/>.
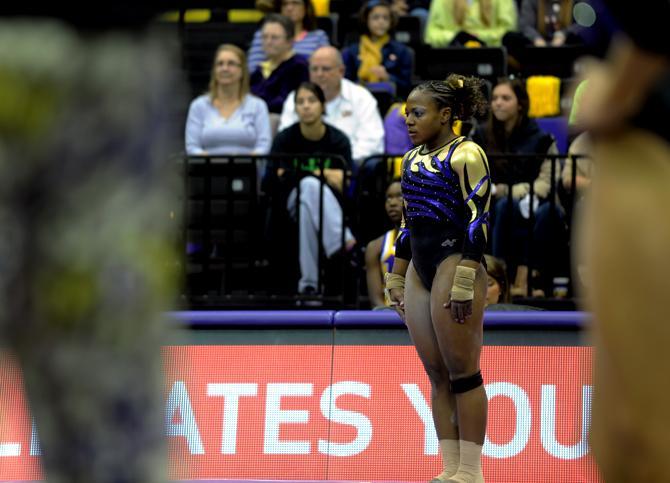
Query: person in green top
<point x="460" y="22"/>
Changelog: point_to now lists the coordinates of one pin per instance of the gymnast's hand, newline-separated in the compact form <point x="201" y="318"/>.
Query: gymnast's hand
<point x="462" y="293"/>
<point x="460" y="310"/>
<point x="397" y="297"/>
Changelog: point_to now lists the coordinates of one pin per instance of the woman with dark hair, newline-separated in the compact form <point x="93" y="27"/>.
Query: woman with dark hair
<point x="509" y="130"/>
<point x="306" y="37"/>
<point x="497" y="289"/>
<point x="228" y="120"/>
<point x="377" y="57"/>
<point x="446" y="190"/>
<point x="310" y="135"/>
<point x="284" y="70"/>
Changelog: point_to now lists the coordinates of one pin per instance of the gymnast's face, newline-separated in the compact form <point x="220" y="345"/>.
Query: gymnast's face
<point x="425" y="121"/>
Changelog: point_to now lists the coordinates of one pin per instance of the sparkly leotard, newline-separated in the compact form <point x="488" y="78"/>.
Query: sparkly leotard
<point x="447" y="193"/>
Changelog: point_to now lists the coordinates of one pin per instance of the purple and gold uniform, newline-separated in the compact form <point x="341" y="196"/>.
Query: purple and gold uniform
<point x="447" y="193"/>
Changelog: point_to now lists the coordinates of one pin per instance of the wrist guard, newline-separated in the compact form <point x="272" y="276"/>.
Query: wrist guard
<point x="391" y="281"/>
<point x="464" y="284"/>
<point x="394" y="280"/>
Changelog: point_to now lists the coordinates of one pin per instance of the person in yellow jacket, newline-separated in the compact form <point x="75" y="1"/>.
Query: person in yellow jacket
<point x="470" y="23"/>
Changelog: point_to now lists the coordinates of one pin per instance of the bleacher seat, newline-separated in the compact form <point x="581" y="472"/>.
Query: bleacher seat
<point x="489" y="63"/>
<point x="556" y="61"/>
<point x="408" y="31"/>
<point x="558" y="126"/>
<point x="329" y="25"/>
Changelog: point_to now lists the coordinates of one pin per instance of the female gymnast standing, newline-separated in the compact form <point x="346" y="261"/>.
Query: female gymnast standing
<point x="446" y="187"/>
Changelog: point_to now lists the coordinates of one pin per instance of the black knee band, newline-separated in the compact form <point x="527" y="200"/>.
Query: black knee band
<point x="465" y="384"/>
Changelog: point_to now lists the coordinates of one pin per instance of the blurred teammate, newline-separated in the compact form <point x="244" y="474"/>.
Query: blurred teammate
<point x="87" y="241"/>
<point x="626" y="237"/>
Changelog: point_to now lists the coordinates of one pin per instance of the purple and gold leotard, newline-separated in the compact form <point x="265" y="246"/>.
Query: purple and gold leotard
<point x="447" y="193"/>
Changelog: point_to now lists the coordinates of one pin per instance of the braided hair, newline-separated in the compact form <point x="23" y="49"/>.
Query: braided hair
<point x="463" y="95"/>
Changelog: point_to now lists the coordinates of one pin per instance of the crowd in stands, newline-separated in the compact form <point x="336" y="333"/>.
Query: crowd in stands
<point x="294" y="92"/>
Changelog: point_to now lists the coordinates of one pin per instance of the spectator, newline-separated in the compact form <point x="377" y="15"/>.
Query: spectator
<point x="311" y="135"/>
<point x="307" y="38"/>
<point x="497" y="289"/>
<point x="321" y="7"/>
<point x="228" y="120"/>
<point x="542" y="23"/>
<point x="548" y="22"/>
<point x="380" y="252"/>
<point x="464" y="23"/>
<point x="582" y="146"/>
<point x="510" y="130"/>
<point x="350" y="108"/>
<point x="276" y="77"/>
<point x="377" y="57"/>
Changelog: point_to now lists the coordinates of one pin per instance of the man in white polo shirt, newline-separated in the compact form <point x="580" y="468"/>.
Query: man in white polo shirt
<point x="349" y="107"/>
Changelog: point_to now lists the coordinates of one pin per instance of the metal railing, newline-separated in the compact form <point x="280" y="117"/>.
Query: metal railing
<point x="228" y="229"/>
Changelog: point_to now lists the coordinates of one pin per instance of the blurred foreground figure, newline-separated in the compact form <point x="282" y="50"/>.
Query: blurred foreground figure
<point x="86" y="238"/>
<point x="626" y="242"/>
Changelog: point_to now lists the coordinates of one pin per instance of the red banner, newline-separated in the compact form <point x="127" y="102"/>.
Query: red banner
<point x="345" y="413"/>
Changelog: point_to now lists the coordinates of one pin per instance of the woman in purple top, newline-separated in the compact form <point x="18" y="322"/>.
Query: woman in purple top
<point x="228" y="120"/>
<point x="307" y="38"/>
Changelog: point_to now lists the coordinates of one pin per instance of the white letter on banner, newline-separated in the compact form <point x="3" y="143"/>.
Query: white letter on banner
<point x="231" y="396"/>
<point x="351" y="418"/>
<point x="178" y="400"/>
<point x="274" y="416"/>
<point x="35" y="448"/>
<point x="548" y="425"/>
<point x="10" y="449"/>
<point x="523" y="420"/>
<point x="415" y="396"/>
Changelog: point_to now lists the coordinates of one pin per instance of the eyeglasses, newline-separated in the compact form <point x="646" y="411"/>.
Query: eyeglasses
<point x="228" y="63"/>
<point x="322" y="68"/>
<point x="272" y="37"/>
